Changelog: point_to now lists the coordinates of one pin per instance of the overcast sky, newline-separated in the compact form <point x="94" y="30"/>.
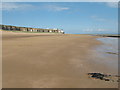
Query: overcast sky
<point x="72" y="17"/>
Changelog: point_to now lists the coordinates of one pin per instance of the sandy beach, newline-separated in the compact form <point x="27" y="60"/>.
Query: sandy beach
<point x="33" y="60"/>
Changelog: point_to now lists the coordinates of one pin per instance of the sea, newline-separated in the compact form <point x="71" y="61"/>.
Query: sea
<point x="110" y="44"/>
<point x="108" y="52"/>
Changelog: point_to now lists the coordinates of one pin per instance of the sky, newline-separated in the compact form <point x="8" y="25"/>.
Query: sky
<point x="72" y="17"/>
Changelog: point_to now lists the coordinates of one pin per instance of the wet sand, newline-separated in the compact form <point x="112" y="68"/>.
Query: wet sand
<point x="51" y="61"/>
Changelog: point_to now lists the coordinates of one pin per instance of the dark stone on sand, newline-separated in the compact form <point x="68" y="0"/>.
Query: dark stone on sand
<point x="97" y="75"/>
<point x="104" y="77"/>
<point x="107" y="79"/>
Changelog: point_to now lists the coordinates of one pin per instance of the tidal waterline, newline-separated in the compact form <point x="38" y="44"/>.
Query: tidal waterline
<point x="110" y="44"/>
<point x="107" y="53"/>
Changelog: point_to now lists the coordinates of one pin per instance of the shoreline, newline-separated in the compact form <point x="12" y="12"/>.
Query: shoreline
<point x="108" y="52"/>
<point x="60" y="61"/>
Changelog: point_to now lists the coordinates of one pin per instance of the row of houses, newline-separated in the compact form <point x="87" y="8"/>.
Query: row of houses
<point x="28" y="29"/>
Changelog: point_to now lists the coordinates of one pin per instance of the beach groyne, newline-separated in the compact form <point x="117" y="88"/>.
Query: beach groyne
<point x="29" y="29"/>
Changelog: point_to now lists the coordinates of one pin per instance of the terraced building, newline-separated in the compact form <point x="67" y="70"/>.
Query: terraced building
<point x="28" y="29"/>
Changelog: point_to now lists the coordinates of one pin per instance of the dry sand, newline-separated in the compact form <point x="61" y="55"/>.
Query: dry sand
<point x="51" y="61"/>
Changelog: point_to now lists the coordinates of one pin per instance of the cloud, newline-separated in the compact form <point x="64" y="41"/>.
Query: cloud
<point x="88" y="30"/>
<point x="56" y="8"/>
<point x="22" y="6"/>
<point x="15" y="6"/>
<point x="98" y="18"/>
<point x="95" y="30"/>
<point x="112" y="4"/>
<point x="101" y="30"/>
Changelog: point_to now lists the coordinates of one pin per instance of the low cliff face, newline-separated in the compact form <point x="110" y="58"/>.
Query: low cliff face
<point x="28" y="29"/>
